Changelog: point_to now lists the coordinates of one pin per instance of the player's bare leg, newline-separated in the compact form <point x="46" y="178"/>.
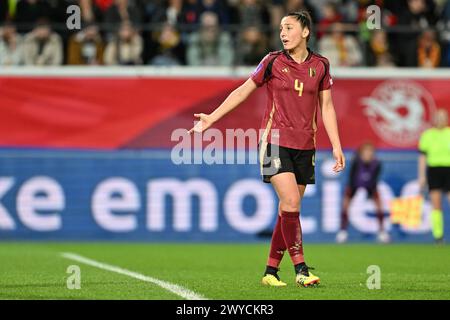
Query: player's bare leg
<point x="289" y="201"/>
<point x="383" y="236"/>
<point x="290" y="195"/>
<point x="342" y="235"/>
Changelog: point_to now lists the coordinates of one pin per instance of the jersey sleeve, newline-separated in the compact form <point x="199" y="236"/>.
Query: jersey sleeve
<point x="326" y="81"/>
<point x="423" y="143"/>
<point x="258" y="76"/>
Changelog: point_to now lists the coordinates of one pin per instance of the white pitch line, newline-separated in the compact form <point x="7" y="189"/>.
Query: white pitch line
<point x="174" y="288"/>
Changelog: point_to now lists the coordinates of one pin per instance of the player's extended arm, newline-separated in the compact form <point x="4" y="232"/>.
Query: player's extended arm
<point x="232" y="101"/>
<point x="330" y="122"/>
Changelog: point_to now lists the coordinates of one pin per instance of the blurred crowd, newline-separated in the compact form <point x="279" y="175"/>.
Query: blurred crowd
<point x="413" y="33"/>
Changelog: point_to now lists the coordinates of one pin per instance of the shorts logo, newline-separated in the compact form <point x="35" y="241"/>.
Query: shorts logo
<point x="277" y="163"/>
<point x="313" y="160"/>
<point x="398" y="111"/>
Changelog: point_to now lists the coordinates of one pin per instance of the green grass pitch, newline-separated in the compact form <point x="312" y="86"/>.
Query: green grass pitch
<point x="222" y="271"/>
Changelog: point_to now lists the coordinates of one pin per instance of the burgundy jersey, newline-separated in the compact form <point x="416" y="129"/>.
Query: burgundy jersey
<point x="293" y="97"/>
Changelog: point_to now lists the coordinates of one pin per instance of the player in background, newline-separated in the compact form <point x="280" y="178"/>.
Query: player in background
<point x="297" y="82"/>
<point x="434" y="168"/>
<point x="364" y="173"/>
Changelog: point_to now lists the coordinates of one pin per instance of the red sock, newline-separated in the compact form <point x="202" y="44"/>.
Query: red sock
<point x="277" y="245"/>
<point x="292" y="234"/>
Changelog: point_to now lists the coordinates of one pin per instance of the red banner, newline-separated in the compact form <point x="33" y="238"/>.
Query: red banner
<point x="113" y="113"/>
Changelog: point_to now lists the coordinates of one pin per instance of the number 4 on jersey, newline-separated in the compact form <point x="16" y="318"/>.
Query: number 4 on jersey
<point x="298" y="87"/>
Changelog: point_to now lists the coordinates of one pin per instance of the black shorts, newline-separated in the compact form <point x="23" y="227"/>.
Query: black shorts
<point x="300" y="162"/>
<point x="438" y="178"/>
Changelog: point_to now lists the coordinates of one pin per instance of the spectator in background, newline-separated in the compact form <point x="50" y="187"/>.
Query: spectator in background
<point x="167" y="46"/>
<point x="210" y="46"/>
<point x="176" y="12"/>
<point x="168" y="11"/>
<point x="170" y="50"/>
<point x="11" y="48"/>
<point x="112" y="12"/>
<point x="318" y="5"/>
<point x="219" y="8"/>
<point x="340" y="49"/>
<point x="416" y="17"/>
<point x="364" y="35"/>
<point x="378" y="48"/>
<point x="385" y="60"/>
<point x="252" y="46"/>
<point x="445" y="33"/>
<point x="93" y="10"/>
<point x="122" y="11"/>
<point x="330" y="15"/>
<point x="252" y="13"/>
<point x="276" y="11"/>
<point x="42" y="46"/>
<point x="429" y="50"/>
<point x="125" y="48"/>
<point x="86" y="47"/>
<point x="59" y="15"/>
<point x="191" y="12"/>
<point x="7" y="10"/>
<point x="350" y="9"/>
<point x="28" y="12"/>
<point x="149" y="9"/>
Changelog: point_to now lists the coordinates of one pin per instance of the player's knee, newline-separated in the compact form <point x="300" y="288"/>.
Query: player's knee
<point x="435" y="197"/>
<point x="436" y="203"/>
<point x="290" y="204"/>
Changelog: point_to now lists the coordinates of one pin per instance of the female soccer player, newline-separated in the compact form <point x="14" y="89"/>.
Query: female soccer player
<point x="297" y="81"/>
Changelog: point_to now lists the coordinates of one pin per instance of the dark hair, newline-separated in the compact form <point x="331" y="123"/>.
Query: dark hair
<point x="304" y="17"/>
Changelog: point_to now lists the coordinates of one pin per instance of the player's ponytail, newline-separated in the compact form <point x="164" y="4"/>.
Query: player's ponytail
<point x="304" y="18"/>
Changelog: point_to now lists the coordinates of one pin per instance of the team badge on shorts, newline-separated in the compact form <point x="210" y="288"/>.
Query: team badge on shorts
<point x="277" y="163"/>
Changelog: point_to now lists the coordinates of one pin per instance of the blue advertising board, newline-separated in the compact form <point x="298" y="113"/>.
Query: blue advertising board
<point x="143" y="196"/>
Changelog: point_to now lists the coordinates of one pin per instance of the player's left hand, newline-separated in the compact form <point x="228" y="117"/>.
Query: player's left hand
<point x="340" y="160"/>
<point x="204" y="123"/>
